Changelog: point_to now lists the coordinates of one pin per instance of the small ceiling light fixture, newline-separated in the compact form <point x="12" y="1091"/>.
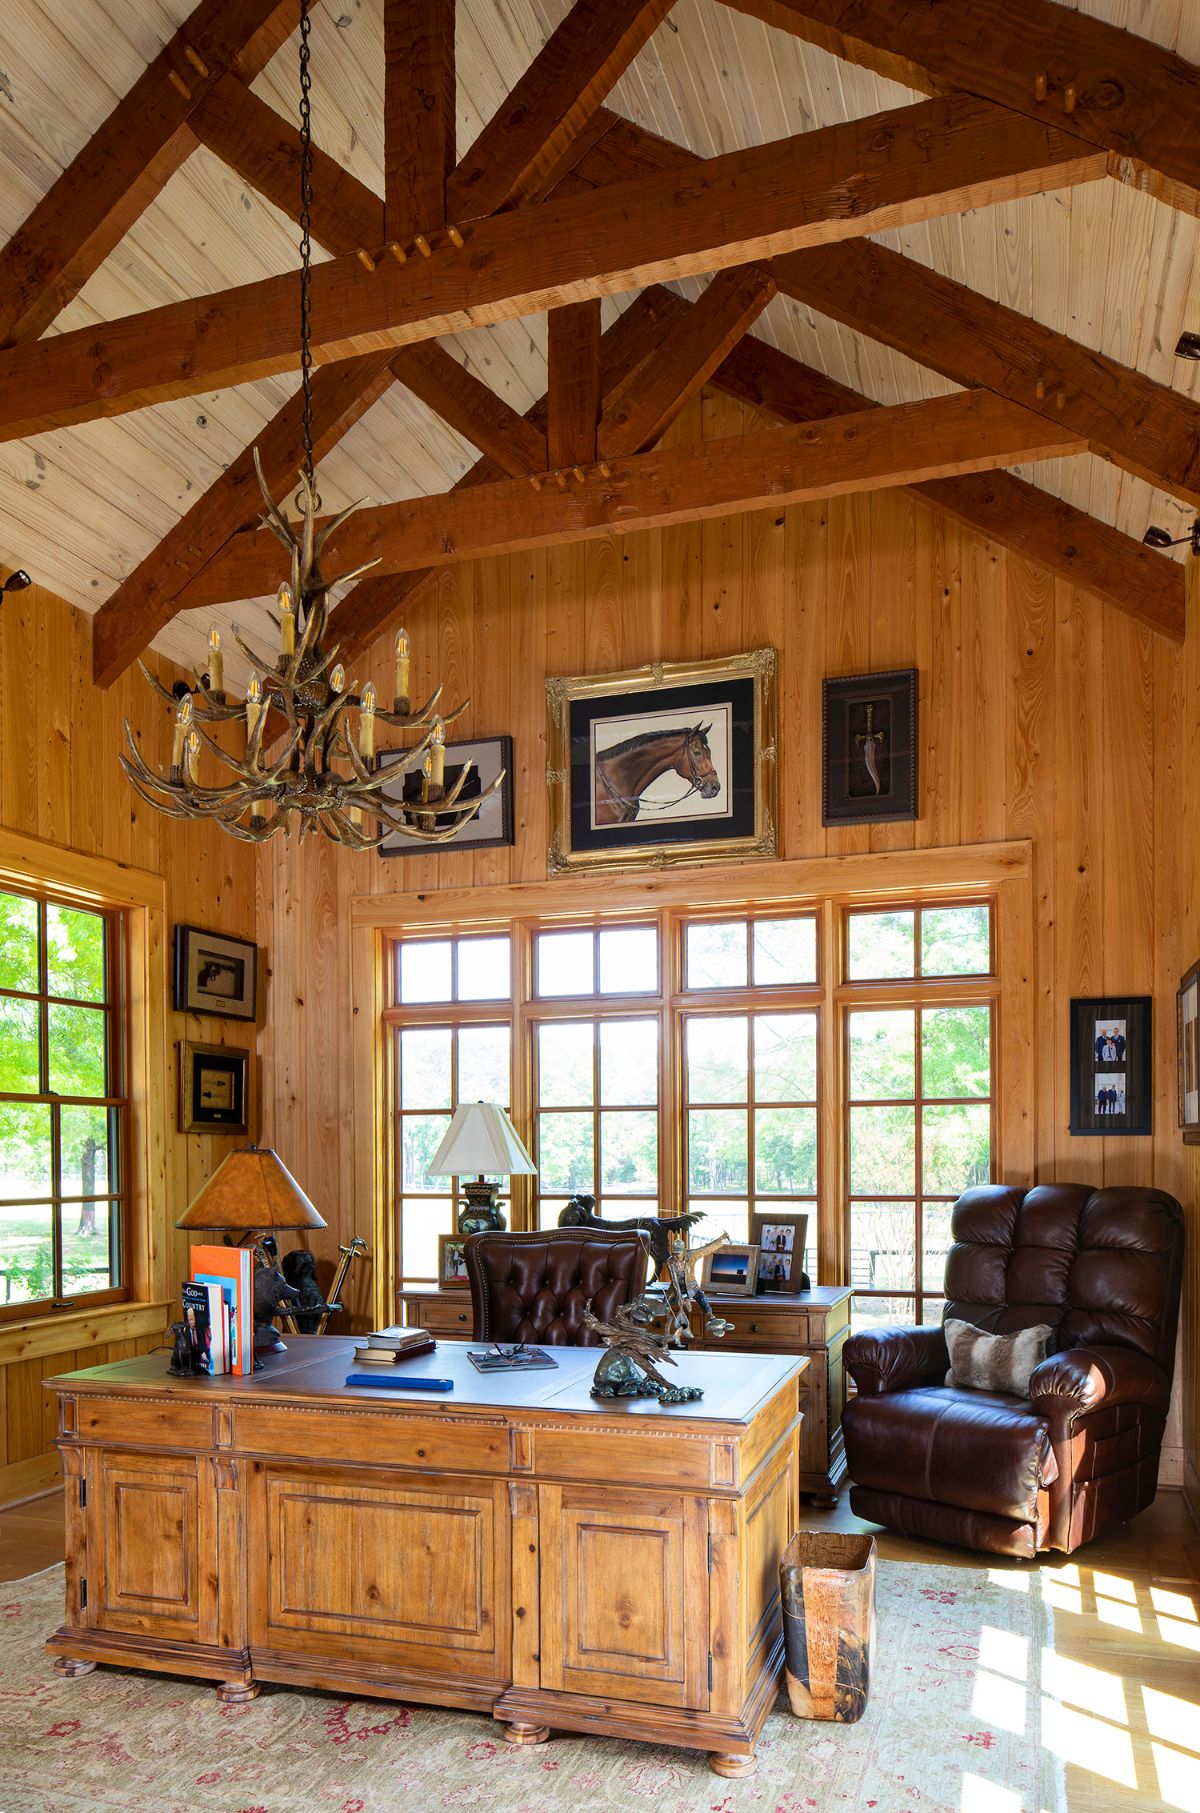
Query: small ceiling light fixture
<point x="17" y="582"/>
<point x="1163" y="539"/>
<point x="1188" y="346"/>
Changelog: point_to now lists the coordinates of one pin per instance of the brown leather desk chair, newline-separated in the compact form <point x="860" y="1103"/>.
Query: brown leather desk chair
<point x="534" y="1287"/>
<point x="1078" y="1456"/>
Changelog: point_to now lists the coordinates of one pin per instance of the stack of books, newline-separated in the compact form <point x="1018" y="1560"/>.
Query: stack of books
<point x="387" y="1345"/>
<point x="218" y="1309"/>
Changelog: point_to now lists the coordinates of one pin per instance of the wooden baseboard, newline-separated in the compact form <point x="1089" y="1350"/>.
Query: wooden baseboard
<point x="23" y="1479"/>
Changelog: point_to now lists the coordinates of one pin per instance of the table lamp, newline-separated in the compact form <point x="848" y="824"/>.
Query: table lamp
<point x="252" y="1195"/>
<point x="480" y="1138"/>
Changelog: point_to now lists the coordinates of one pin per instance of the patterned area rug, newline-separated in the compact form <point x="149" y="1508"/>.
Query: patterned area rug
<point x="954" y="1723"/>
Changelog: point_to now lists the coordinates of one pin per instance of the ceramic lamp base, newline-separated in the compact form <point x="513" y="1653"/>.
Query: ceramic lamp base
<point x="480" y="1213"/>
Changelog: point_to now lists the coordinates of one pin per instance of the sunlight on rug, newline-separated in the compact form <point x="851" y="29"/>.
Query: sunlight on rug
<point x="954" y="1725"/>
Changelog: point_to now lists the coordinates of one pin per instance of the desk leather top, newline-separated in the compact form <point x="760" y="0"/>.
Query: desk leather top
<point x="314" y="1368"/>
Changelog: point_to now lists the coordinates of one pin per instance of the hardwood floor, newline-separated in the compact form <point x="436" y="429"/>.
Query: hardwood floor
<point x="1127" y="1646"/>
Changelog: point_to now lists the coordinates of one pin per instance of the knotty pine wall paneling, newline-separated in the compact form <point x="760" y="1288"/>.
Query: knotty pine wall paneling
<point x="1044" y="715"/>
<point x="60" y="783"/>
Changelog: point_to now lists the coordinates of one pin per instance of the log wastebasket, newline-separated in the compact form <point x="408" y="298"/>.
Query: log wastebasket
<point x="828" y="1584"/>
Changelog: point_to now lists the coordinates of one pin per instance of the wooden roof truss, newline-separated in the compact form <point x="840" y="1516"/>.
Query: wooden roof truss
<point x="558" y="203"/>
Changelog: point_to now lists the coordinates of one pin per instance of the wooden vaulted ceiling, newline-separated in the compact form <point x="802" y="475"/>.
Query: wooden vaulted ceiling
<point x="941" y="243"/>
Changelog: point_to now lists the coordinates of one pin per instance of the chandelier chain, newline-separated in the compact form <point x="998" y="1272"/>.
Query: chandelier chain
<point x="306" y="196"/>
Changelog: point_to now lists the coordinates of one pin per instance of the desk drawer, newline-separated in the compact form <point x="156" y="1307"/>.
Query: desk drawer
<point x="441" y="1317"/>
<point x="774" y="1330"/>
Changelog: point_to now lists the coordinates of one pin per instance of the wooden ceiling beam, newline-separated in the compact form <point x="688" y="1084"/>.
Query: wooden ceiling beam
<point x="1008" y="510"/>
<point x="373" y="604"/>
<point x="264" y="149"/>
<point x="530" y="139"/>
<point x="419" y="123"/>
<point x="709" y="330"/>
<point x="125" y="164"/>
<point x="573" y="382"/>
<point x="471" y="407"/>
<point x="1123" y="93"/>
<point x="145" y="603"/>
<point x="941" y="156"/>
<point x="871" y="450"/>
<point x="1145" y="428"/>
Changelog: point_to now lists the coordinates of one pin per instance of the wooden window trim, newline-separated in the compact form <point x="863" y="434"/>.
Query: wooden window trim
<point x="29" y="865"/>
<point x="1002" y="872"/>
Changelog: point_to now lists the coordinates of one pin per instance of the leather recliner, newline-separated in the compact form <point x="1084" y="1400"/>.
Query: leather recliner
<point x="535" y="1286"/>
<point x="1018" y="1475"/>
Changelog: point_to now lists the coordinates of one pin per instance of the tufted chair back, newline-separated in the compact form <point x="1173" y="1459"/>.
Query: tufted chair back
<point x="534" y="1287"/>
<point x="1104" y="1267"/>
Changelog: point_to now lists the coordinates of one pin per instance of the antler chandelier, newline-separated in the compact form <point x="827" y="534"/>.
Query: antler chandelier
<point x="325" y="774"/>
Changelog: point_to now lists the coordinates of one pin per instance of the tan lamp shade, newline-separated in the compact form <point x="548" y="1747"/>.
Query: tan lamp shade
<point x="481" y="1138"/>
<point x="250" y="1189"/>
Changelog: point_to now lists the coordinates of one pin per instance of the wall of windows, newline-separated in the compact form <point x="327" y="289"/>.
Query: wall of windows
<point x="62" y="1104"/>
<point x="835" y="1060"/>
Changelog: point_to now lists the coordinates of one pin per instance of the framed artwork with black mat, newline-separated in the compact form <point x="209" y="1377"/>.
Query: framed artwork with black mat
<point x="869" y="748"/>
<point x="1110" y="1065"/>
<point x="215" y="975"/>
<point x="213" y="1092"/>
<point x="492" y="825"/>
<point x="663" y="765"/>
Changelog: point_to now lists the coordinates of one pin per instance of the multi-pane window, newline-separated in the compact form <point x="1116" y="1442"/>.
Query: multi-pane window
<point x="689" y="1061"/>
<point x="455" y="1045"/>
<point x="595" y="1082"/>
<point x="919" y="1099"/>
<point x="61" y="1103"/>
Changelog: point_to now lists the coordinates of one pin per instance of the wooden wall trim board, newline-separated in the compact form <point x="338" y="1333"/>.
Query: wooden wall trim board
<point x="897" y="873"/>
<point x="67" y="816"/>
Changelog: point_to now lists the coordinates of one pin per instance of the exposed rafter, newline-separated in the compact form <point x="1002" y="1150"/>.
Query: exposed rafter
<point x="530" y="140"/>
<point x="1121" y="92"/>
<point x="471" y="407"/>
<point x="418" y="114"/>
<point x="125" y="164"/>
<point x="146" y="602"/>
<point x="1008" y="510"/>
<point x="729" y="306"/>
<point x="969" y="432"/>
<point x="573" y="382"/>
<point x="1145" y="427"/>
<point x="940" y="156"/>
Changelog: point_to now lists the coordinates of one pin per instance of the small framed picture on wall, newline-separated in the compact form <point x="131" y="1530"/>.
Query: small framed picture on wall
<point x="1188" y="1033"/>
<point x="1110" y="1065"/>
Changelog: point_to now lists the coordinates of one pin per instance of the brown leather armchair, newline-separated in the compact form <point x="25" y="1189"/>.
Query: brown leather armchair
<point x="1014" y="1475"/>
<point x="534" y="1287"/>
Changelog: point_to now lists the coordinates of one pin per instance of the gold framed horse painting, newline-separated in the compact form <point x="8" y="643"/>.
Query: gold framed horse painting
<point x="663" y="765"/>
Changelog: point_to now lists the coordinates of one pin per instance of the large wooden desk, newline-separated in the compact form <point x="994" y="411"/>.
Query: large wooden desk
<point x="516" y="1548"/>
<point x="812" y="1323"/>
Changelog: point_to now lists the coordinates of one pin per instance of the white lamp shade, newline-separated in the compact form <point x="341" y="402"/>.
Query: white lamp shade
<point x="481" y="1139"/>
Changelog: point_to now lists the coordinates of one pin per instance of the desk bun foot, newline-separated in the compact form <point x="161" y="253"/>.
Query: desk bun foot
<point x="71" y="1667"/>
<point x="731" y="1767"/>
<point x="519" y="1733"/>
<point x="237" y="1693"/>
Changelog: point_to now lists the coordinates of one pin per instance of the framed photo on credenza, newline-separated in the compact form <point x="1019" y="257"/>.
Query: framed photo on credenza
<point x="780" y="1239"/>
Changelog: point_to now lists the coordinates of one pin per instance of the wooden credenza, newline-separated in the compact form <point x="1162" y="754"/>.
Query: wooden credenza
<point x="516" y="1547"/>
<point x="811" y="1324"/>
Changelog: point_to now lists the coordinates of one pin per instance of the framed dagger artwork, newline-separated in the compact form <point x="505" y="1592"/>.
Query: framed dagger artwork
<point x="869" y="748"/>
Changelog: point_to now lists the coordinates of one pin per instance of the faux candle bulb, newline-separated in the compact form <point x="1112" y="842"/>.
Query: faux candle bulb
<point x="254" y="705"/>
<point x="366" y="723"/>
<point x="216" y="661"/>
<point x="193" y="756"/>
<point x="402" y="669"/>
<point x="181" y="724"/>
<point x="337" y="678"/>
<point x="438" y="752"/>
<point x="287" y="621"/>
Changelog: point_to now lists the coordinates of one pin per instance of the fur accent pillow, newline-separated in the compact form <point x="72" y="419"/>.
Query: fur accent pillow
<point x="983" y="1362"/>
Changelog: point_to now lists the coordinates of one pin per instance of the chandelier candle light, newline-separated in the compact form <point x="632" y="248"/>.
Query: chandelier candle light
<point x="325" y="773"/>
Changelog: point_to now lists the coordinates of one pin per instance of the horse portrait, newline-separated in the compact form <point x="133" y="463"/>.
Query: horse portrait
<point x="624" y="772"/>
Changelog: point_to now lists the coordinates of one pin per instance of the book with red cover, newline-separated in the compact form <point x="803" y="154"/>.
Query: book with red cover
<point x="233" y="1268"/>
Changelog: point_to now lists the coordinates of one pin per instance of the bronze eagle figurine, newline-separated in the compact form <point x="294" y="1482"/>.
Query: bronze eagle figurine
<point x="658" y="1229"/>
